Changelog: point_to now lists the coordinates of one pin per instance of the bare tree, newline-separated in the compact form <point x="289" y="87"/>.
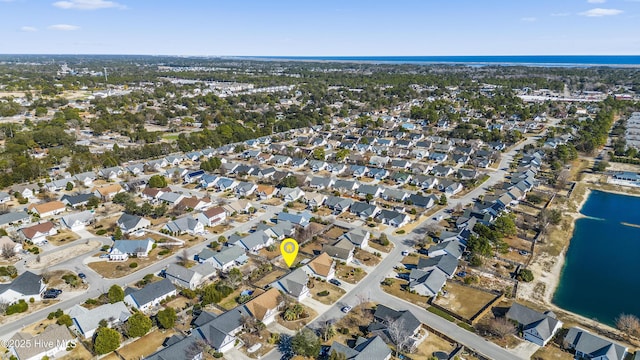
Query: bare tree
<point x="184" y="258"/>
<point x="8" y="251"/>
<point x="46" y="275"/>
<point x="3" y="307"/>
<point x="327" y="331"/>
<point x="197" y="347"/>
<point x="459" y="207"/>
<point x="561" y="180"/>
<point x="433" y="228"/>
<point x="38" y="259"/>
<point x="501" y="327"/>
<point x="398" y="334"/>
<point x="628" y="324"/>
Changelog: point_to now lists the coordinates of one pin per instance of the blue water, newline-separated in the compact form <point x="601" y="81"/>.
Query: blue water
<point x="533" y="60"/>
<point x="600" y="275"/>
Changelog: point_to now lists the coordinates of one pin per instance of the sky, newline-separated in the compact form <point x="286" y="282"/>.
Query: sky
<point x="321" y="27"/>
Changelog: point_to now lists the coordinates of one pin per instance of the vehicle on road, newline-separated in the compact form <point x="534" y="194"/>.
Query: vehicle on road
<point x="82" y="276"/>
<point x="335" y="282"/>
<point x="104" y="256"/>
<point x="51" y="293"/>
<point x="405" y="253"/>
<point x="346" y="309"/>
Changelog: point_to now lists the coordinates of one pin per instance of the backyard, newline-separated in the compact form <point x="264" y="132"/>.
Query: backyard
<point x="63" y="237"/>
<point x="463" y="300"/>
<point x="334" y="293"/>
<point x="145" y="345"/>
<point x="350" y="274"/>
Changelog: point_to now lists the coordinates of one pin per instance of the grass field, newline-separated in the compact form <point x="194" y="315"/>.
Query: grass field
<point x="334" y="292"/>
<point x="463" y="300"/>
<point x="551" y="352"/>
<point x="397" y="289"/>
<point x="63" y="237"/>
<point x="350" y="274"/>
<point x="269" y="278"/>
<point x="146" y="345"/>
<point x="430" y="345"/>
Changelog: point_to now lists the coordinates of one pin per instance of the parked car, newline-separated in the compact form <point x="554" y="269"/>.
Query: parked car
<point x="346" y="309"/>
<point x="52" y="293"/>
<point x="335" y="282"/>
<point x="405" y="252"/>
<point x="82" y="276"/>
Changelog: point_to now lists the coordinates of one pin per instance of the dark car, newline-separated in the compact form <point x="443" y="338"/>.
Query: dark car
<point x="335" y="282"/>
<point x="82" y="276"/>
<point x="52" y="293"/>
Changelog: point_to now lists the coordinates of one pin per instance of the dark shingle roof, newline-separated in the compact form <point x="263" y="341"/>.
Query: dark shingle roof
<point x="27" y="283"/>
<point x="152" y="291"/>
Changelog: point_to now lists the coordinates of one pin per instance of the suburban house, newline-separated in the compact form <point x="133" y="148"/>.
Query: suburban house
<point x="393" y="218"/>
<point x="411" y="326"/>
<point x="4" y="197"/>
<point x="193" y="176"/>
<point x="364" y="210"/>
<point x="14" y="218"/>
<point x="189" y="278"/>
<point x="241" y="206"/>
<point x="293" y="284"/>
<point x="373" y="348"/>
<point x="27" y="191"/>
<point x="212" y="217"/>
<point x="50" y="343"/>
<point x="225" y="259"/>
<point x="445" y="263"/>
<point x="358" y="237"/>
<point x="149" y="296"/>
<point x="246" y="188"/>
<point x="27" y="285"/>
<point x="220" y="331"/>
<point x="184" y="225"/>
<point x="536" y="327"/>
<point x="48" y="209"/>
<point x="38" y="233"/>
<point x="427" y="282"/>
<point x="132" y="223"/>
<point x="265" y="306"/>
<point x="255" y="241"/>
<point x="178" y="347"/>
<point x="313" y="199"/>
<point x="266" y="191"/>
<point x="153" y="194"/>
<point x="208" y="181"/>
<point x="111" y="173"/>
<point x="454" y="248"/>
<point x="86" y="322"/>
<point x="301" y="219"/>
<point x="290" y="194"/>
<point x="194" y="203"/>
<point x="77" y="221"/>
<point x="341" y="250"/>
<point x="123" y="249"/>
<point x="338" y="204"/>
<point x="76" y="200"/>
<point x="106" y="193"/>
<point x="170" y="197"/>
<point x="322" y="266"/>
<point x="590" y="346"/>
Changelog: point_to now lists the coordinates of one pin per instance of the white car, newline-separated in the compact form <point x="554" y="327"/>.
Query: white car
<point x="346" y="309"/>
<point x="405" y="253"/>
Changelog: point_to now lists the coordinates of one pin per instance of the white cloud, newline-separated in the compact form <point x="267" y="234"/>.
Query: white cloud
<point x="87" y="4"/>
<point x="560" y="14"/>
<point x="28" y="29"/>
<point x="529" y="19"/>
<point x="64" y="27"/>
<point x="598" y="12"/>
<point x="596" y="1"/>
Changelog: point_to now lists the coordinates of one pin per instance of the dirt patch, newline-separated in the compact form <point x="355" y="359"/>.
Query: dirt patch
<point x="269" y="278"/>
<point x="374" y="244"/>
<point x="57" y="257"/>
<point x="399" y="289"/>
<point x="350" y="274"/>
<point x="78" y="353"/>
<point x="219" y="229"/>
<point x="145" y="345"/>
<point x="317" y="287"/>
<point x="366" y="257"/>
<point x="552" y="352"/>
<point x="56" y="281"/>
<point x="432" y="344"/>
<point x="63" y="237"/>
<point x="463" y="300"/>
<point x="272" y="202"/>
<point x="335" y="232"/>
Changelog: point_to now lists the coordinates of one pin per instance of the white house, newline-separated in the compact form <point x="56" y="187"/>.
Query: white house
<point x="26" y="286"/>
<point x="122" y="249"/>
<point x="149" y="296"/>
<point x="50" y="343"/>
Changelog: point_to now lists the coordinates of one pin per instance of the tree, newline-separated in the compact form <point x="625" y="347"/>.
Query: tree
<point x="8" y="251"/>
<point x="106" y="341"/>
<point x="157" y="181"/>
<point x="138" y="325"/>
<point x="234" y="277"/>
<point x="117" y="234"/>
<point x="384" y="240"/>
<point x="167" y="317"/>
<point x="443" y="200"/>
<point x="318" y="153"/>
<point x="601" y="166"/>
<point x="628" y="324"/>
<point x="327" y="331"/>
<point x="525" y="275"/>
<point x="306" y="343"/>
<point x="184" y="258"/>
<point x="69" y="186"/>
<point x="115" y="294"/>
<point x="398" y="334"/>
<point x="505" y="224"/>
<point x="501" y="327"/>
<point x="289" y="182"/>
<point x="93" y="202"/>
<point x="337" y="356"/>
<point x="65" y="320"/>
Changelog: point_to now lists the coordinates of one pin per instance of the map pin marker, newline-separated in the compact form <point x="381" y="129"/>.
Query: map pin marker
<point x="289" y="250"/>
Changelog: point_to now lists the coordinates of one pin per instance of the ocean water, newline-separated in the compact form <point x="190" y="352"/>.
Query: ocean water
<point x="600" y="277"/>
<point x="529" y="60"/>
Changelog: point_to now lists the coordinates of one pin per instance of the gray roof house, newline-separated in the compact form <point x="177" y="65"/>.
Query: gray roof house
<point x="14" y="218"/>
<point x="341" y="250"/>
<point x="364" y="210"/>
<point x="224" y="259"/>
<point x="446" y="263"/>
<point x="338" y="204"/>
<point x="86" y="322"/>
<point x="76" y="200"/>
<point x="358" y="237"/>
<point x="589" y="346"/>
<point x="393" y="218"/>
<point x="51" y="342"/>
<point x="181" y="348"/>
<point x="411" y="326"/>
<point x="536" y="327"/>
<point x="189" y="278"/>
<point x="77" y="221"/>
<point x="122" y="249"/>
<point x="427" y="282"/>
<point x="27" y="285"/>
<point x="219" y="333"/>
<point x="183" y="225"/>
<point x="453" y="248"/>
<point x="150" y="295"/>
<point x="345" y="185"/>
<point x="255" y="241"/>
<point x="293" y="284"/>
<point x="373" y="348"/>
<point x="131" y="223"/>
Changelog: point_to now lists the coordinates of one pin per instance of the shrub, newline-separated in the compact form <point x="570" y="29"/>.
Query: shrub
<point x="133" y="265"/>
<point x="400" y="232"/>
<point x="470" y="280"/>
<point x="323" y="293"/>
<point x="32" y="300"/>
<point x="217" y="355"/>
<point x="388" y="282"/>
<point x="344" y="331"/>
<point x="164" y="252"/>
<point x="16" y="308"/>
<point x="476" y="260"/>
<point x="101" y="232"/>
<point x="525" y="275"/>
<point x="91" y="301"/>
<point x="440" y="313"/>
